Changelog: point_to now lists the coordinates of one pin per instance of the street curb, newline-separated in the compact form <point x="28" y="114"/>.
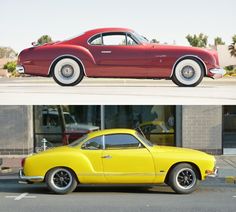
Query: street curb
<point x="230" y="179"/>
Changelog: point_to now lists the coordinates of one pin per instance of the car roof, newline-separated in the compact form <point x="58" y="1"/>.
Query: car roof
<point x="108" y="29"/>
<point x="111" y="131"/>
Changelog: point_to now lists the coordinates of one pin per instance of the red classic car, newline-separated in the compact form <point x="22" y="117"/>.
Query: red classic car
<point x="118" y="53"/>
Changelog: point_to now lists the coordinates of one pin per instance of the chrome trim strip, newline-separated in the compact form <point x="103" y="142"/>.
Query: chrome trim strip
<point x="23" y="177"/>
<point x="106" y="52"/>
<point x="67" y="55"/>
<point x="121" y="174"/>
<point x="188" y="55"/>
<point x="20" y="69"/>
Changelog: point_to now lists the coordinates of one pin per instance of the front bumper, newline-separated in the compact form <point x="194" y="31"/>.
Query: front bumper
<point x="29" y="178"/>
<point x="20" y="69"/>
<point x="213" y="173"/>
<point x="217" y="73"/>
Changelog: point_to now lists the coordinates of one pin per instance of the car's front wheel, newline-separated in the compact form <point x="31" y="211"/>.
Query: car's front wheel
<point x="61" y="180"/>
<point x="67" y="72"/>
<point x="188" y="73"/>
<point x="183" y="178"/>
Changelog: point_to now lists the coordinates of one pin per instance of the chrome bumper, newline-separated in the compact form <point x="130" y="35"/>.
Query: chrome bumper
<point x="218" y="72"/>
<point x="214" y="173"/>
<point x="29" y="178"/>
<point x="20" y="69"/>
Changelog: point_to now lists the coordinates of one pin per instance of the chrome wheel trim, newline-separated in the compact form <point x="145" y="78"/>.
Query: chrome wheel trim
<point x="67" y="71"/>
<point x="61" y="179"/>
<point x="188" y="72"/>
<point x="186" y="178"/>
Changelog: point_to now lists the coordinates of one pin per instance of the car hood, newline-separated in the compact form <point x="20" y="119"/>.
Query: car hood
<point x="176" y="47"/>
<point x="181" y="151"/>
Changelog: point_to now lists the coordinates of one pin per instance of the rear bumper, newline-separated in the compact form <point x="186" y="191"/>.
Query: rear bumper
<point x="20" y="69"/>
<point x="217" y="73"/>
<point x="29" y="178"/>
<point x="213" y="173"/>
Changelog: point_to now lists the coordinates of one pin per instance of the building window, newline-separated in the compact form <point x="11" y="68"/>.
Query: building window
<point x="229" y="127"/>
<point x="156" y="122"/>
<point x="61" y="125"/>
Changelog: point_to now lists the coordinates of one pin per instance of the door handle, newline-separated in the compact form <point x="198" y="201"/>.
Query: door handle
<point x="106" y="52"/>
<point x="107" y="157"/>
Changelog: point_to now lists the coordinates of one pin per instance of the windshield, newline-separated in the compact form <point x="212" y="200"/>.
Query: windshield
<point x="140" y="38"/>
<point x="144" y="139"/>
<point x="78" y="141"/>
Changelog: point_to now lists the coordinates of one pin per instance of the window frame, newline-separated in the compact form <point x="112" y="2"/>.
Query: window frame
<point x="83" y="146"/>
<point x="101" y="35"/>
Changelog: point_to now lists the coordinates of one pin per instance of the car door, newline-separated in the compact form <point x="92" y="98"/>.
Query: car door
<point x="119" y="55"/>
<point x="126" y="160"/>
<point x="92" y="151"/>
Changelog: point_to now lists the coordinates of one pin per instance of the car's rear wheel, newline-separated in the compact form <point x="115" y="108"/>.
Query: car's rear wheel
<point x="67" y="72"/>
<point x="183" y="178"/>
<point x="61" y="180"/>
<point x="188" y="73"/>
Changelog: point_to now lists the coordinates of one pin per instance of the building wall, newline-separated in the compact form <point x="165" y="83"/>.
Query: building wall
<point x="225" y="58"/>
<point x="202" y="128"/>
<point x="16" y="131"/>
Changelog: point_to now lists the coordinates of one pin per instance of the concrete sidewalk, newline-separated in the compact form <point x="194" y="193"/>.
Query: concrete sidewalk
<point x="227" y="168"/>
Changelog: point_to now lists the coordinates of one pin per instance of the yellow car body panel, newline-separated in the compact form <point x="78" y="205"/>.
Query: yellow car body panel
<point x="146" y="164"/>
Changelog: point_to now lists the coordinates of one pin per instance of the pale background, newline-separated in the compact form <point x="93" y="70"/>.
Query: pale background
<point x="24" y="21"/>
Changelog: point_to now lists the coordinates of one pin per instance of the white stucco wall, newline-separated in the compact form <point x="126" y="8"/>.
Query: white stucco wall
<point x="224" y="56"/>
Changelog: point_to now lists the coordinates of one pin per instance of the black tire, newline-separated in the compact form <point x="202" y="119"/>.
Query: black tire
<point x="183" y="178"/>
<point x="67" y="72"/>
<point x="188" y="72"/>
<point x="61" y="180"/>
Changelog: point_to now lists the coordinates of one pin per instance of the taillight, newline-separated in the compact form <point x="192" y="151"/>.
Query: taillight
<point x="23" y="162"/>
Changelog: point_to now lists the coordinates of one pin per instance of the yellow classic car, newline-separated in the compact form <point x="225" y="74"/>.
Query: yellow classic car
<point x="117" y="156"/>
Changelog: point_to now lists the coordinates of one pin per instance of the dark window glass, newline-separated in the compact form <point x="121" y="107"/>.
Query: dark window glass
<point x="94" y="143"/>
<point x="119" y="141"/>
<point x="229" y="127"/>
<point x="157" y="122"/>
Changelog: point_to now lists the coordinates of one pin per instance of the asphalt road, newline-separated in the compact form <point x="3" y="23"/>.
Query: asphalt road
<point x="36" y="90"/>
<point x="216" y="196"/>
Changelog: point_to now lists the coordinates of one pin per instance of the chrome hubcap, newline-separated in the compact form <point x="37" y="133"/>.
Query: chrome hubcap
<point x="62" y="179"/>
<point x="67" y="71"/>
<point x="188" y="72"/>
<point x="186" y="178"/>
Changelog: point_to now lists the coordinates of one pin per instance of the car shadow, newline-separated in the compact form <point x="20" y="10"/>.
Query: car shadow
<point x="12" y="186"/>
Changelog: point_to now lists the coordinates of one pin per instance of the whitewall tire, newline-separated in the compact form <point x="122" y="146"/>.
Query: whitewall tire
<point x="188" y="73"/>
<point x="68" y="72"/>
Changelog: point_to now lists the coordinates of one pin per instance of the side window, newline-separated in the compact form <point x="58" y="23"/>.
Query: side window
<point x="121" y="141"/>
<point x="94" y="143"/>
<point x="114" y="39"/>
<point x="96" y="40"/>
<point x="131" y="41"/>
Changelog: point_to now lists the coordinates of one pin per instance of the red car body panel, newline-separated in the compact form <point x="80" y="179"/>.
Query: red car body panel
<point x="138" y="61"/>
